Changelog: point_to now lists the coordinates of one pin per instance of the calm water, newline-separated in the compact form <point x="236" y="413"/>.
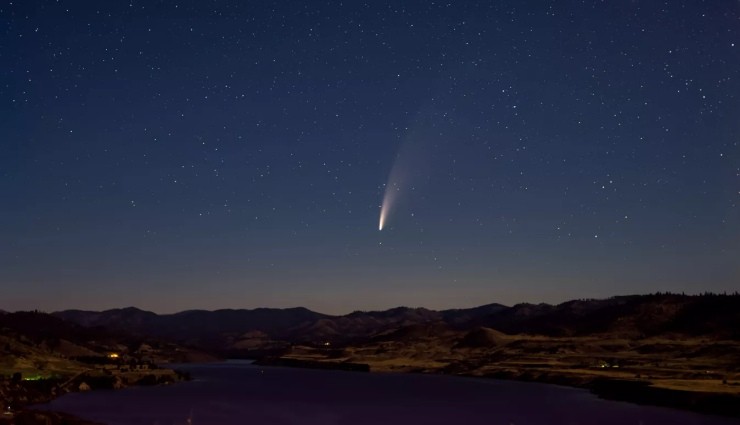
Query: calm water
<point x="240" y="393"/>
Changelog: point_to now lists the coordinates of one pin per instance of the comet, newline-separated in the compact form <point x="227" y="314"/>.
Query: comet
<point x="397" y="180"/>
<point x="389" y="197"/>
<point x="411" y="164"/>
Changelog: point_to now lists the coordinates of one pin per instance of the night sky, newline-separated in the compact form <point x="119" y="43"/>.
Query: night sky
<point x="235" y="154"/>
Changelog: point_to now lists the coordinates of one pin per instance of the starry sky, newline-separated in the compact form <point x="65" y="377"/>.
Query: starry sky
<point x="235" y="154"/>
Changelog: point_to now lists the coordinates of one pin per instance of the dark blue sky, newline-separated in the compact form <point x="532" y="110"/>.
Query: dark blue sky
<point x="213" y="154"/>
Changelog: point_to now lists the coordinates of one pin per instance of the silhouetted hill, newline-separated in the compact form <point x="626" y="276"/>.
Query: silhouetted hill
<point x="361" y="324"/>
<point x="193" y="322"/>
<point x="45" y="328"/>
<point x="710" y="314"/>
<point x="229" y="331"/>
<point x="128" y="318"/>
<point x="268" y="320"/>
<point x="59" y="337"/>
<point x="416" y="332"/>
<point x="634" y="315"/>
<point x="462" y="316"/>
<point x="232" y="330"/>
<point x="216" y="331"/>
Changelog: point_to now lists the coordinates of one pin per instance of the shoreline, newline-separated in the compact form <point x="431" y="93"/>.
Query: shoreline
<point x="640" y="392"/>
<point x="637" y="391"/>
<point x="312" y="364"/>
<point x="26" y="397"/>
<point x="40" y="417"/>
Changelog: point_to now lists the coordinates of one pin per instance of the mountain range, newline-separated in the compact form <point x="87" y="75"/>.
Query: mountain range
<point x="667" y="349"/>
<point x="241" y="332"/>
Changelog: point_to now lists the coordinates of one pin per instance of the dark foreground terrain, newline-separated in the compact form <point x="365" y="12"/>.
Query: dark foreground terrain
<point x="43" y="357"/>
<point x="664" y="349"/>
<point x="668" y="350"/>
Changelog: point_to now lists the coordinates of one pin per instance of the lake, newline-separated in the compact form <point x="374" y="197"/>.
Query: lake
<point x="241" y="393"/>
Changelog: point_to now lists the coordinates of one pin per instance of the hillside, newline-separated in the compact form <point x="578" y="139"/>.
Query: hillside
<point x="630" y="316"/>
<point x="674" y="350"/>
<point x="42" y="356"/>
